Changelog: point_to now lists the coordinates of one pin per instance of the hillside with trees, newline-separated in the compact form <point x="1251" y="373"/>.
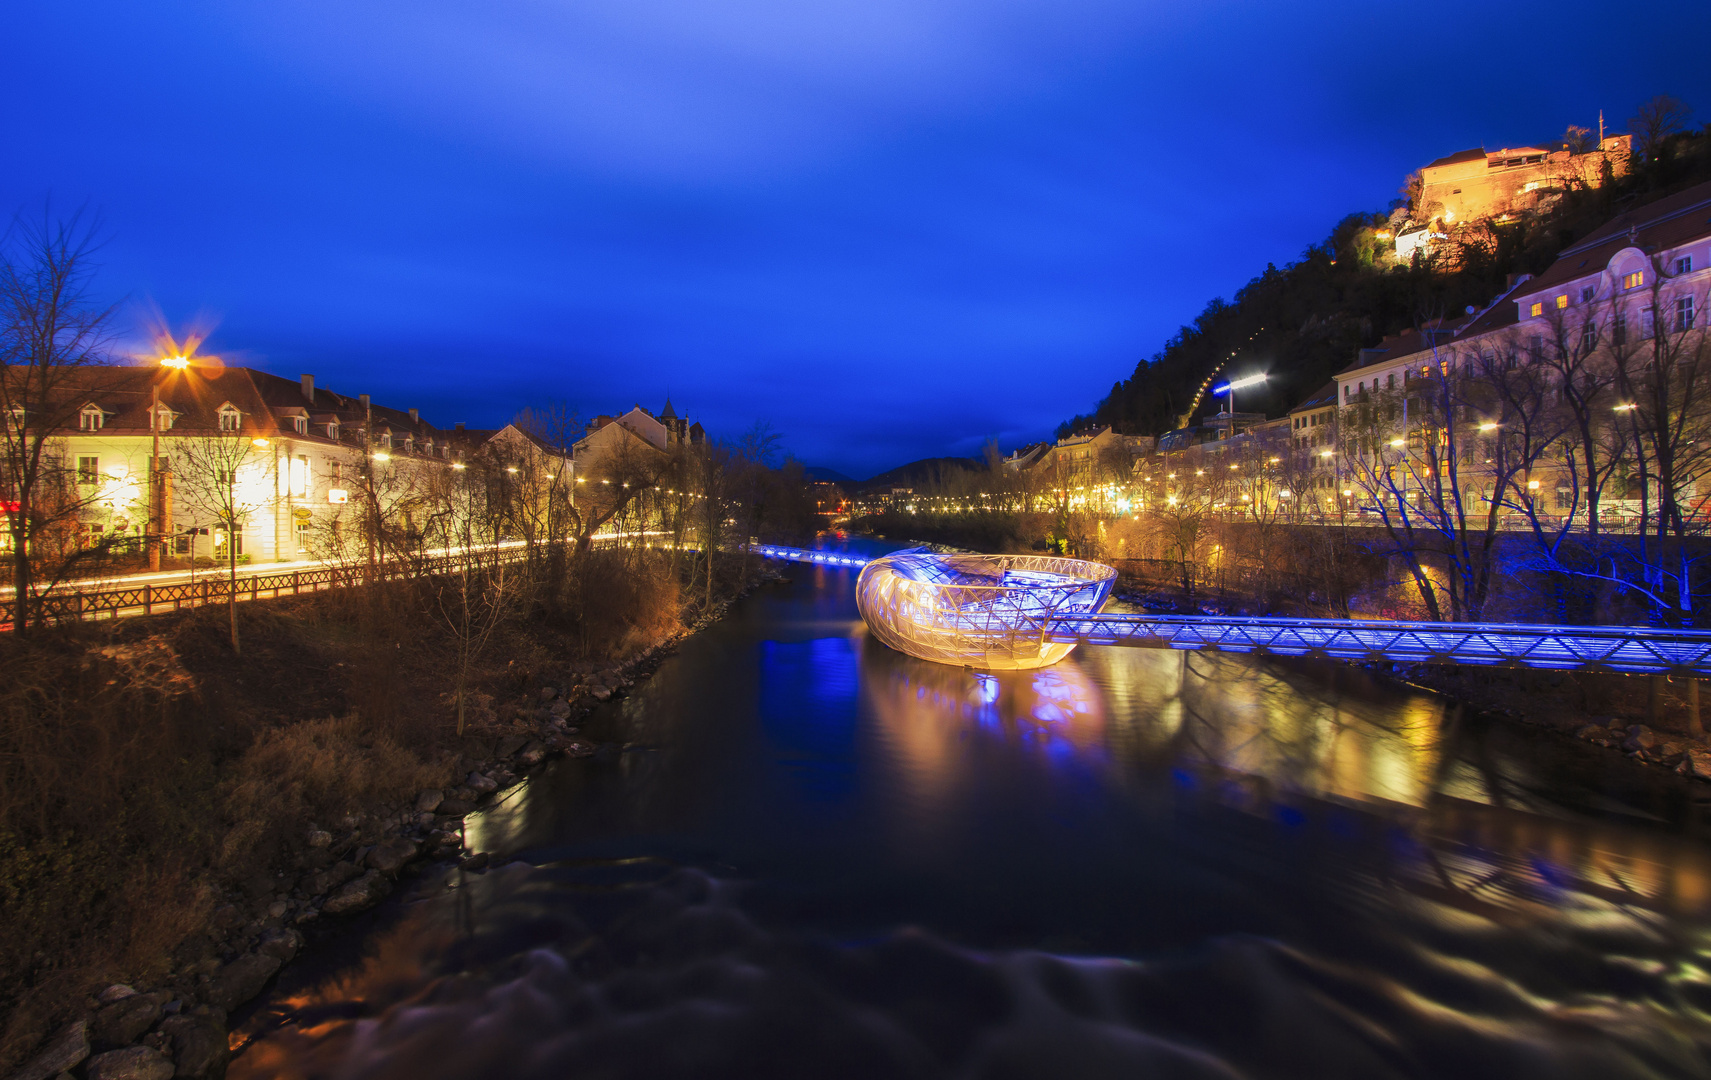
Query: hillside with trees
<point x="1305" y="320"/>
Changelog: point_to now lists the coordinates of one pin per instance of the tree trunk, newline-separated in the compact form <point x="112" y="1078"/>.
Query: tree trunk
<point x="232" y="585"/>
<point x="20" y="585"/>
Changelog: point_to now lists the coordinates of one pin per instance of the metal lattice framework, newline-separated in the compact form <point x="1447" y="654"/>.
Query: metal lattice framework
<point x="1632" y="650"/>
<point x="985" y="610"/>
<point x="1625" y="649"/>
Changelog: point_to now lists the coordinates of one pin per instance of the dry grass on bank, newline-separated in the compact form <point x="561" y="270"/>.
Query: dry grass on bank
<point x="145" y="770"/>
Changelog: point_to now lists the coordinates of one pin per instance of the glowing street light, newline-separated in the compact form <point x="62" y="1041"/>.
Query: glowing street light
<point x="1229" y="391"/>
<point x="177" y="363"/>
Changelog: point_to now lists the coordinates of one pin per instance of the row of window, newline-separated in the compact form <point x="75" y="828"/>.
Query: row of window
<point x="1630" y="281"/>
<point x="93" y="418"/>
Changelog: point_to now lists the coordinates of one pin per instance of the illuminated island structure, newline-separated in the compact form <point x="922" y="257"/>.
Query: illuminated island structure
<point x="984" y="611"/>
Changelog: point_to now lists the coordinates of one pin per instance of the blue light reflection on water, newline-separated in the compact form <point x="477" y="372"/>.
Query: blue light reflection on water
<point x="808" y="710"/>
<point x="1422" y="877"/>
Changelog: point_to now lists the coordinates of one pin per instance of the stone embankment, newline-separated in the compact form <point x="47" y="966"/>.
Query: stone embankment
<point x="333" y="869"/>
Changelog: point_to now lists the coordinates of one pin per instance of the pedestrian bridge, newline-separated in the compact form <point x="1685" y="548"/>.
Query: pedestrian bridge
<point x="1628" y="650"/>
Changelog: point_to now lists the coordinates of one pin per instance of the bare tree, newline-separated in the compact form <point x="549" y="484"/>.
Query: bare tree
<point x="51" y="332"/>
<point x="476" y="591"/>
<point x="224" y="479"/>
<point x="1445" y="458"/>
<point x="716" y="470"/>
<point x="1655" y="121"/>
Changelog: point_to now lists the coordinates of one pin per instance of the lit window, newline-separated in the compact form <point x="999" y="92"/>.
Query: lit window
<point x="300" y="475"/>
<point x="88" y="470"/>
<point x="1562" y="301"/>
<point x="1633" y="280"/>
<point x="1537" y="309"/>
<point x="229" y="417"/>
<point x="91" y="418"/>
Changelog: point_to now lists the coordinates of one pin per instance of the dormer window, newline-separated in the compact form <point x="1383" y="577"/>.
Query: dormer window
<point x="91" y="418"/>
<point x="300" y="424"/>
<point x="163" y="418"/>
<point x="409" y="443"/>
<point x="333" y="430"/>
<point x="386" y="440"/>
<point x="230" y="417"/>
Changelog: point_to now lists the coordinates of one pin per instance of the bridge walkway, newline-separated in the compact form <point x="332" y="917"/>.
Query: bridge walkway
<point x="1630" y="650"/>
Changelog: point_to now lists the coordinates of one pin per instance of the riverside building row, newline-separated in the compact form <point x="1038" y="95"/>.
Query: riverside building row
<point x="1489" y="412"/>
<point x="262" y="462"/>
<point x="1479" y="402"/>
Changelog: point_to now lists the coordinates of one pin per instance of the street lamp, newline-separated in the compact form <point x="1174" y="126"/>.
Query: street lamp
<point x="1229" y="391"/>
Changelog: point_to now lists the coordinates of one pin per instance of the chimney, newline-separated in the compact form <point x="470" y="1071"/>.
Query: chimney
<point x="458" y="426"/>
<point x="415" y="417"/>
<point x="308" y="384"/>
<point x="364" y="399"/>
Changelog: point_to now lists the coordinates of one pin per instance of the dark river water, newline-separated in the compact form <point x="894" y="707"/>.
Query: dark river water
<point x="800" y="854"/>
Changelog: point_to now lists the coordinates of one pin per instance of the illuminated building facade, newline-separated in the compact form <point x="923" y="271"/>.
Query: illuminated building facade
<point x="301" y="452"/>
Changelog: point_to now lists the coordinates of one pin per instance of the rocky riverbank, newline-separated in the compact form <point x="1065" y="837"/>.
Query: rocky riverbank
<point x="177" y="1026"/>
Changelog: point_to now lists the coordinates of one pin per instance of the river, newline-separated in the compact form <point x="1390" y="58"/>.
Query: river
<point x="799" y="854"/>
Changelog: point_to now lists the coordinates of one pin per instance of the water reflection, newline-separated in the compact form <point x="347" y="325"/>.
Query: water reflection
<point x="801" y="853"/>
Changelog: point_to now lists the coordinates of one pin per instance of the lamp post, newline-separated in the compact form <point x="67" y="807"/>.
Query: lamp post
<point x="1229" y="391"/>
<point x="160" y="509"/>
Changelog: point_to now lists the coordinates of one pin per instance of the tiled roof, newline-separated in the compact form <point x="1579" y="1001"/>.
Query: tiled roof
<point x="1475" y="154"/>
<point x="1320" y="398"/>
<point x="196" y="394"/>
<point x="1679" y="219"/>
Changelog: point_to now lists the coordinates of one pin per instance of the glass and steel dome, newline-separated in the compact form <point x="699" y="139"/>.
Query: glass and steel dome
<point x="986" y="611"/>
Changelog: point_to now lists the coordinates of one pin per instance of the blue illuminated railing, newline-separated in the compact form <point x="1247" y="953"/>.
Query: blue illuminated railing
<point x="1627" y="649"/>
<point x="805" y="555"/>
<point x="1634" y="650"/>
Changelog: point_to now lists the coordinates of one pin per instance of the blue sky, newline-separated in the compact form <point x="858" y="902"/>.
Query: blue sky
<point x="890" y="228"/>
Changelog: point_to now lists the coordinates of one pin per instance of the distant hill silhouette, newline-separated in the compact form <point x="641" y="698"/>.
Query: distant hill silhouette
<point x="820" y="472"/>
<point x="927" y="471"/>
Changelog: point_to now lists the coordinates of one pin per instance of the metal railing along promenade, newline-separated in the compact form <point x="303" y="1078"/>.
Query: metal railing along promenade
<point x="1629" y="650"/>
<point x="123" y="601"/>
<point x="88" y="601"/>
